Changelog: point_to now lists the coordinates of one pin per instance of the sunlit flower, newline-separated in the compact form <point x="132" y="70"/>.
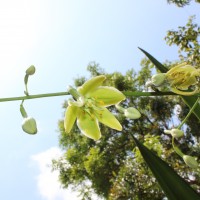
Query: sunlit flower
<point x="181" y="77"/>
<point x="89" y="107"/>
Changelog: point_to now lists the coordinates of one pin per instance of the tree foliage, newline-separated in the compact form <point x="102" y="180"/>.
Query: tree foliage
<point x="187" y="40"/>
<point x="181" y="3"/>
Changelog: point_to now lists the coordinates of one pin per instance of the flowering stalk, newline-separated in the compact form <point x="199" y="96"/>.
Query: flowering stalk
<point x="30" y="71"/>
<point x="55" y="94"/>
<point x="190" y="112"/>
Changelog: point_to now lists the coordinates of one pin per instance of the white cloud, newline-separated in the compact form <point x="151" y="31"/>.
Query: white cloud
<point x="47" y="181"/>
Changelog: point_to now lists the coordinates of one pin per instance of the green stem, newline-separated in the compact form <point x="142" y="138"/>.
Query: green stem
<point x="26" y="84"/>
<point x="191" y="110"/>
<point x="146" y="94"/>
<point x="34" y="96"/>
<point x="26" y="90"/>
<point x="176" y="149"/>
<point x="126" y="93"/>
<point x="22" y="110"/>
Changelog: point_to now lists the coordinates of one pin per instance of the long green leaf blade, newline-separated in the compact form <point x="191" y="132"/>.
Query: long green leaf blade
<point x="175" y="187"/>
<point x="158" y="65"/>
<point x="189" y="100"/>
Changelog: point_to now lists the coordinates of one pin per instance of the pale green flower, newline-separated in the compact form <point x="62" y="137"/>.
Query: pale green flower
<point x="90" y="107"/>
<point x="181" y="77"/>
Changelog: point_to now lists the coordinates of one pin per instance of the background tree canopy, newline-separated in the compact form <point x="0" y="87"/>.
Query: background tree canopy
<point x="181" y="3"/>
<point x="113" y="167"/>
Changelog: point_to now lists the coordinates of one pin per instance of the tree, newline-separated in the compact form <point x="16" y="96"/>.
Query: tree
<point x="112" y="167"/>
<point x="181" y="3"/>
<point x="187" y="39"/>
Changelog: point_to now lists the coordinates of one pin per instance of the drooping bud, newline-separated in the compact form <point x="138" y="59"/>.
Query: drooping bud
<point x="190" y="161"/>
<point x="176" y="133"/>
<point x="30" y="70"/>
<point x="29" y="125"/>
<point x="158" y="79"/>
<point x="132" y="113"/>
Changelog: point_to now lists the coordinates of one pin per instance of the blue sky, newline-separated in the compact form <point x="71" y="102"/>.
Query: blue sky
<point x="60" y="38"/>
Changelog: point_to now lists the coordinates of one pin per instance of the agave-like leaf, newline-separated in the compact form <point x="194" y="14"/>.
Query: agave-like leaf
<point x="158" y="65"/>
<point x="172" y="184"/>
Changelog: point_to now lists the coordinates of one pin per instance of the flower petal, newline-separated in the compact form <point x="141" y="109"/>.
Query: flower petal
<point x="89" y="126"/>
<point x="107" y="118"/>
<point x="106" y="96"/>
<point x="91" y="84"/>
<point x="70" y="117"/>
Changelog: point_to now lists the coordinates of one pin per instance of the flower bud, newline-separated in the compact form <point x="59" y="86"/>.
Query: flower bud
<point x="190" y="161"/>
<point x="132" y="113"/>
<point x="29" y="125"/>
<point x="30" y="70"/>
<point x="158" y="79"/>
<point x="176" y="133"/>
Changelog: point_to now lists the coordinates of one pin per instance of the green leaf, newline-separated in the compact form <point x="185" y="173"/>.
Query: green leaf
<point x="173" y="185"/>
<point x="188" y="100"/>
<point x="158" y="65"/>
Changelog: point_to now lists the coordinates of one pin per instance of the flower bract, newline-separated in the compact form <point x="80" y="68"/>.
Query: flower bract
<point x="90" y="107"/>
